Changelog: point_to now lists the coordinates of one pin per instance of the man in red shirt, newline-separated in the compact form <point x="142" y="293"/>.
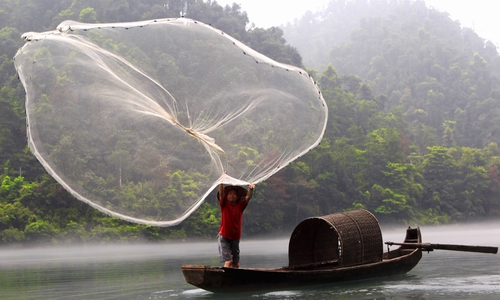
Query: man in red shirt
<point x="232" y="200"/>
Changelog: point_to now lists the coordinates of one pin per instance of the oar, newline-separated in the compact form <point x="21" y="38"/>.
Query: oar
<point x="430" y="247"/>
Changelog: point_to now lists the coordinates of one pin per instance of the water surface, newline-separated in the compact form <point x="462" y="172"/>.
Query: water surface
<point x="152" y="271"/>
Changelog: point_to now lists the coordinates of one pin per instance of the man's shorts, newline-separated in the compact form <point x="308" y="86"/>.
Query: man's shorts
<point x="229" y="249"/>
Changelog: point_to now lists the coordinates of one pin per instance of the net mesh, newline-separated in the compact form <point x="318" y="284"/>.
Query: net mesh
<point x="141" y="120"/>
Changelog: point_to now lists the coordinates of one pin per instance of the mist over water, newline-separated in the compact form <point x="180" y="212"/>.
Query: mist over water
<point x="475" y="233"/>
<point x="152" y="271"/>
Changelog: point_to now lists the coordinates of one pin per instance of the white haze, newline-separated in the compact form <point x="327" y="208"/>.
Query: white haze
<point x="480" y="15"/>
<point x="475" y="234"/>
<point x="483" y="234"/>
<point x="75" y="254"/>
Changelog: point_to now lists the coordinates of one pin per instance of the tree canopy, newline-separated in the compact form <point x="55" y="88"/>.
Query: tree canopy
<point x="412" y="136"/>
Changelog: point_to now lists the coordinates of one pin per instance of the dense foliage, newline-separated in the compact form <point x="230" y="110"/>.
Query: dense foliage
<point x="420" y="131"/>
<point x="412" y="136"/>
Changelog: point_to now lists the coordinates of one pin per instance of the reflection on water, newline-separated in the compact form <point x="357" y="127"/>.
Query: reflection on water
<point x="153" y="271"/>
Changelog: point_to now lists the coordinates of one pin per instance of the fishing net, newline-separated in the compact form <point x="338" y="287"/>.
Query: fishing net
<point x="141" y="120"/>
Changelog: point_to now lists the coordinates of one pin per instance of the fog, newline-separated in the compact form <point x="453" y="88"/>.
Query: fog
<point x="483" y="234"/>
<point x="480" y="234"/>
<point x="480" y="15"/>
<point x="77" y="254"/>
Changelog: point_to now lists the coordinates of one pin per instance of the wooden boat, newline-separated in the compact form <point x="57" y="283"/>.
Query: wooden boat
<point x="324" y="250"/>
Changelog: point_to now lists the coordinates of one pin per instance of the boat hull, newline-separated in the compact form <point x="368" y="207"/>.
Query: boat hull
<point x="230" y="280"/>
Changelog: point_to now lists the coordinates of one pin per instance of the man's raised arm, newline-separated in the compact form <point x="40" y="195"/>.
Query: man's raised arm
<point x="250" y="192"/>
<point x="220" y="195"/>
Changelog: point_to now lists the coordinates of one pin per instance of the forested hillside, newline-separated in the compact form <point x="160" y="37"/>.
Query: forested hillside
<point x="315" y="33"/>
<point x="414" y="73"/>
<point x="412" y="136"/>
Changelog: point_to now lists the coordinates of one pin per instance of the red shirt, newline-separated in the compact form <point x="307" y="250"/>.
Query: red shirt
<point x="232" y="216"/>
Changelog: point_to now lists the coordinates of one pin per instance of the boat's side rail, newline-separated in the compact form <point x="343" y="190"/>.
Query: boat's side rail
<point x="329" y="263"/>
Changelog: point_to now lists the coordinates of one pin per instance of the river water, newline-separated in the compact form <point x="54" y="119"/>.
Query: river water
<point x="152" y="271"/>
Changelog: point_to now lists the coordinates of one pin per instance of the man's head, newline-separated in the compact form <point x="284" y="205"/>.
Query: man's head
<point x="232" y="195"/>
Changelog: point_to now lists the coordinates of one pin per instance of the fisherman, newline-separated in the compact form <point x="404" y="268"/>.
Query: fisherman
<point x="232" y="200"/>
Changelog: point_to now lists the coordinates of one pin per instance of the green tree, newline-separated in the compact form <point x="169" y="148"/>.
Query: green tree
<point x="439" y="171"/>
<point x="88" y="15"/>
<point x="402" y="191"/>
<point x="271" y="43"/>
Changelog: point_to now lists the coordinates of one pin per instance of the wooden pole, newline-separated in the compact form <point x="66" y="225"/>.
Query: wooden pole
<point x="431" y="247"/>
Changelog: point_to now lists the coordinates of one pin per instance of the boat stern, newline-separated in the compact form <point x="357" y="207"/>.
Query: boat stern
<point x="194" y="274"/>
<point x="197" y="275"/>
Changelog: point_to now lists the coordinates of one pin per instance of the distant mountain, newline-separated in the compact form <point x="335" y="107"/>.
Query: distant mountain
<point x="444" y="77"/>
<point x="316" y="33"/>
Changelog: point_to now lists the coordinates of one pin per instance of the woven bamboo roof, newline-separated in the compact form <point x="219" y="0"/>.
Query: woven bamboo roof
<point x="350" y="238"/>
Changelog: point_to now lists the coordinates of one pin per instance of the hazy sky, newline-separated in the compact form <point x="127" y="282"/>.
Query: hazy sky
<point x="481" y="15"/>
